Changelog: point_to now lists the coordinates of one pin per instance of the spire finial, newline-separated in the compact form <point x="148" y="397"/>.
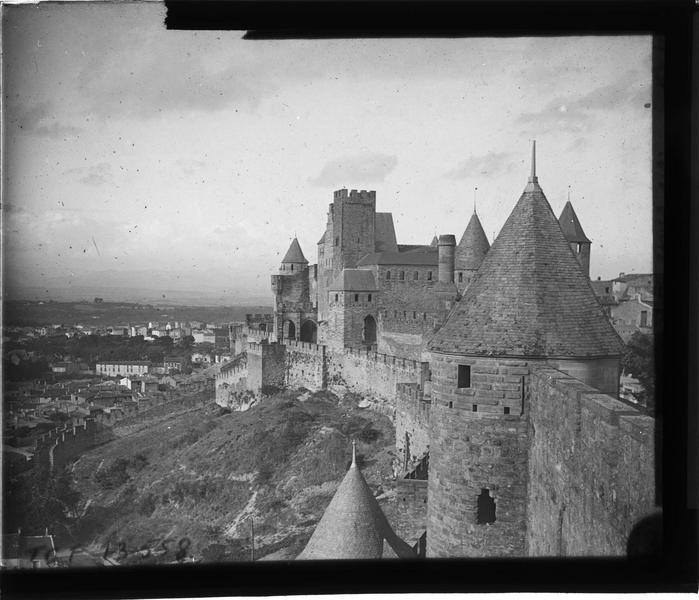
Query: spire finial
<point x="568" y="193"/>
<point x="354" y="454"/>
<point x="475" y="189"/>
<point x="532" y="177"/>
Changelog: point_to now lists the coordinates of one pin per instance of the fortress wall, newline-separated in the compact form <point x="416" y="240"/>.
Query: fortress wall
<point x="412" y="423"/>
<point x="266" y="365"/>
<point x="591" y="469"/>
<point x="231" y="380"/>
<point x="70" y="442"/>
<point x="305" y="365"/>
<point x="374" y="375"/>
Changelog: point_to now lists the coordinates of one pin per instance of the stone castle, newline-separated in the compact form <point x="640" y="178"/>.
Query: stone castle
<point x="497" y="365"/>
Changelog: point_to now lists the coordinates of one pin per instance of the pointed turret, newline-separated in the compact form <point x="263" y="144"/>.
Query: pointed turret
<point x="470" y="252"/>
<point x="573" y="232"/>
<point x="353" y="525"/>
<point x="529" y="297"/>
<point x="294" y="254"/>
<point x="435" y="241"/>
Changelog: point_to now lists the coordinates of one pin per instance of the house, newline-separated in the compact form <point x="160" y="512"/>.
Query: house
<point x="172" y="363"/>
<point x="204" y="336"/>
<point x="64" y="367"/>
<point x="118" y="368"/>
<point x="630" y="315"/>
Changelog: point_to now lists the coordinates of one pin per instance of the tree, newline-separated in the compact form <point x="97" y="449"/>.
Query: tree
<point x="639" y="361"/>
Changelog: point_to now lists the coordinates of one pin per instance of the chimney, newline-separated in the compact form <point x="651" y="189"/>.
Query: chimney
<point x="447" y="248"/>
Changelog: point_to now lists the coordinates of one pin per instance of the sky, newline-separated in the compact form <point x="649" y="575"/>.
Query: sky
<point x="140" y="157"/>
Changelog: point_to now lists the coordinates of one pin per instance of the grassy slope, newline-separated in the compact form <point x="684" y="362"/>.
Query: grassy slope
<point x="201" y="475"/>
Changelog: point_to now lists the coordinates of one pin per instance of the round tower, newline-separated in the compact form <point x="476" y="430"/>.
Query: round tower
<point x="530" y="305"/>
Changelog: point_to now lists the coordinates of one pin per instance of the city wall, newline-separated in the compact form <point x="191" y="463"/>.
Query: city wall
<point x="412" y="421"/>
<point x="591" y="469"/>
<point x="305" y="365"/>
<point x="374" y="375"/>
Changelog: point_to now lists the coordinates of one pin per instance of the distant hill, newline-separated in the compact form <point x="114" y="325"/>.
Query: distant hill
<point x="33" y="313"/>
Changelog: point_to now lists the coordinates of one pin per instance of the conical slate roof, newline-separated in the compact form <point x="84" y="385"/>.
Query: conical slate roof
<point x="473" y="246"/>
<point x="530" y="296"/>
<point x="353" y="525"/>
<point x="435" y="241"/>
<point x="571" y="226"/>
<point x="294" y="254"/>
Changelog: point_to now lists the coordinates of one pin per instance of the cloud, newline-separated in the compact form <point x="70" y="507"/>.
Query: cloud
<point x="39" y="119"/>
<point x="576" y="114"/>
<point x="489" y="164"/>
<point x="356" y="170"/>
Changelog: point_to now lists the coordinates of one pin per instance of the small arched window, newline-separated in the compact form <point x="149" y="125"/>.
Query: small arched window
<point x="486" y="508"/>
<point x="292" y="267"/>
<point x="402" y="276"/>
<point x="415" y="276"/>
<point x="461" y="277"/>
<point x="388" y="275"/>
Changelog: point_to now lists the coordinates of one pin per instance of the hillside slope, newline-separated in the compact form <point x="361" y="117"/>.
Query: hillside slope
<point x="204" y="475"/>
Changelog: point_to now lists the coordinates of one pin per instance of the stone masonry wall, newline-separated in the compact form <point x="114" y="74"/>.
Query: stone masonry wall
<point x="305" y="365"/>
<point x="591" y="469"/>
<point x="412" y="422"/>
<point x="478" y="441"/>
<point x="373" y="375"/>
<point x="266" y="365"/>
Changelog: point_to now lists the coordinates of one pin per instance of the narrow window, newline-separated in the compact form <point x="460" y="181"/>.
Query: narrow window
<point x="644" y="318"/>
<point x="405" y="314"/>
<point x="606" y="290"/>
<point x="486" y="508"/>
<point x="464" y="376"/>
<point x="415" y="276"/>
<point x="337" y="241"/>
<point x="388" y="275"/>
<point x="402" y="276"/>
<point x="369" y="297"/>
<point x="356" y="297"/>
<point x="451" y="405"/>
<point x="579" y="248"/>
<point x="507" y="410"/>
<point x="414" y="315"/>
<point x="424" y="316"/>
<point x="461" y="277"/>
<point x="336" y="297"/>
<point x="429" y="275"/>
<point x="474" y="408"/>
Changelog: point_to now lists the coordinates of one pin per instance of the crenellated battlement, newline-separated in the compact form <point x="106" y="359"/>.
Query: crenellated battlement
<point x="386" y="359"/>
<point x="355" y="196"/>
<point x="305" y="348"/>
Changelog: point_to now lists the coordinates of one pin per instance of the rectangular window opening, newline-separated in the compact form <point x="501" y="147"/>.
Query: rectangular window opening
<point x="369" y="297"/>
<point x="356" y="297"/>
<point x="474" y="408"/>
<point x="507" y="410"/>
<point x="429" y="275"/>
<point x="464" y="376"/>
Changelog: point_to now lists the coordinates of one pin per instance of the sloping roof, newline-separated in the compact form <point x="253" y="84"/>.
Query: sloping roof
<point x="435" y="242"/>
<point x="354" y="280"/>
<point x="384" y="233"/>
<point x="418" y="255"/>
<point x="627" y="278"/>
<point x="322" y="239"/>
<point x="353" y="525"/>
<point x="473" y="247"/>
<point x="294" y="253"/>
<point x="572" y="230"/>
<point x="530" y="296"/>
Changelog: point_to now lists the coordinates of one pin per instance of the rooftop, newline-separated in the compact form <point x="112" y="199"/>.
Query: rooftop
<point x="353" y="525"/>
<point x="530" y="297"/>
<point x="570" y="225"/>
<point x="294" y="254"/>
<point x="473" y="246"/>
<point x="354" y="280"/>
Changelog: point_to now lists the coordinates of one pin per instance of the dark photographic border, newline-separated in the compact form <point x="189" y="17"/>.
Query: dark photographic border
<point x="671" y="23"/>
